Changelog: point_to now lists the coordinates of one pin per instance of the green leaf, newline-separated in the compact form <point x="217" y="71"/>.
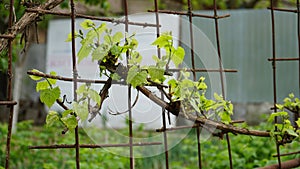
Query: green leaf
<point x="173" y="83"/>
<point x="100" y="52"/>
<point x="291" y="95"/>
<point x="69" y="39"/>
<point x="88" y="42"/>
<point x="230" y="108"/>
<point x="164" y="40"/>
<point x="136" y="77"/>
<point x="70" y="121"/>
<point x="277" y="114"/>
<point x="107" y="39"/>
<point x="217" y="97"/>
<point x="84" y="52"/>
<point x="115" y="50"/>
<point x="178" y="56"/>
<point x="81" y="89"/>
<point x="225" y="117"/>
<point x="287" y="100"/>
<point x="81" y="110"/>
<point x="49" y="96"/>
<point x="115" y="76"/>
<point x="156" y="73"/>
<point x="298" y="122"/>
<point x="52" y="81"/>
<point x="51" y="118"/>
<point x="155" y="58"/>
<point x="187" y="83"/>
<point x="87" y="24"/>
<point x="94" y="96"/>
<point x="136" y="58"/>
<point x="279" y="106"/>
<point x="67" y="112"/>
<point x="291" y="132"/>
<point x="42" y="85"/>
<point x="133" y="44"/>
<point x="33" y="77"/>
<point x="194" y="105"/>
<point x="201" y="86"/>
<point x="117" y="37"/>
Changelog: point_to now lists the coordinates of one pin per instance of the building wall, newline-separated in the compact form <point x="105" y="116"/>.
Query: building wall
<point x="245" y="40"/>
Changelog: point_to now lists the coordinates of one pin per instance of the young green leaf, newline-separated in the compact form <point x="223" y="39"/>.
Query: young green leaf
<point x="115" y="50"/>
<point x="117" y="37"/>
<point x="33" y="77"/>
<point x="156" y="73"/>
<point x="70" y="121"/>
<point x="135" y="59"/>
<point x="81" y="89"/>
<point x="67" y="112"/>
<point x="217" y="97"/>
<point x="84" y="52"/>
<point x="291" y="132"/>
<point x="87" y="24"/>
<point x="276" y="114"/>
<point x="49" y="96"/>
<point x="279" y="106"/>
<point x="298" y="122"/>
<point x="194" y="105"/>
<point x="115" y="76"/>
<point x="225" y="117"/>
<point x="155" y="58"/>
<point x="201" y="86"/>
<point x="178" y="56"/>
<point x="51" y="118"/>
<point x="94" y="96"/>
<point x="88" y="42"/>
<point x="81" y="110"/>
<point x="42" y="85"/>
<point x="164" y="40"/>
<point x="69" y="39"/>
<point x="52" y="81"/>
<point x="100" y="52"/>
<point x="173" y="83"/>
<point x="136" y="77"/>
<point x="291" y="95"/>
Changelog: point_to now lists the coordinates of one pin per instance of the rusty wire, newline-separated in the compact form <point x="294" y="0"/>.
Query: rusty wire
<point x="273" y="61"/>
<point x="165" y="136"/>
<point x="216" y="17"/>
<point x="10" y="102"/>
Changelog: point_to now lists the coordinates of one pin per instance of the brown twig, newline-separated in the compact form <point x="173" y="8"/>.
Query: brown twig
<point x="284" y="165"/>
<point x="26" y="20"/>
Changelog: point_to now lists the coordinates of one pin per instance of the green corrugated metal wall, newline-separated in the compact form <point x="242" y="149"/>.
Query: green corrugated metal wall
<point x="245" y="40"/>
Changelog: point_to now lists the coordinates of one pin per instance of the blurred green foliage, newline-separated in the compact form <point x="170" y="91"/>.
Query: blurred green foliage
<point x="247" y="152"/>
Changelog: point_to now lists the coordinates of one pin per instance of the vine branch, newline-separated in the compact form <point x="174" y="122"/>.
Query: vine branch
<point x="25" y="20"/>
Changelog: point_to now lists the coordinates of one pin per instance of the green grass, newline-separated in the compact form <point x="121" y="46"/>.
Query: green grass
<point x="247" y="152"/>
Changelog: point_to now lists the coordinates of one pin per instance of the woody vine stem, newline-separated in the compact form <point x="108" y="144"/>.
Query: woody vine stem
<point x="186" y="98"/>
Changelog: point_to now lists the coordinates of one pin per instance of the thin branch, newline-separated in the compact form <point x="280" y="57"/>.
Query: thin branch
<point x="284" y="165"/>
<point x="103" y="94"/>
<point x="227" y="128"/>
<point x="287" y="154"/>
<point x="27" y="19"/>
<point x="64" y="78"/>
